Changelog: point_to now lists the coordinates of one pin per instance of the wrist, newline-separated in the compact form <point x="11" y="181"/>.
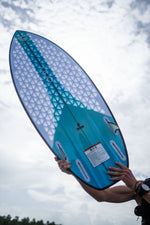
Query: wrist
<point x="141" y="188"/>
<point x="137" y="186"/>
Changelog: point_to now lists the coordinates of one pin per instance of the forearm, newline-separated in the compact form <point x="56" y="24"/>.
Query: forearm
<point x="96" y="194"/>
<point x="116" y="194"/>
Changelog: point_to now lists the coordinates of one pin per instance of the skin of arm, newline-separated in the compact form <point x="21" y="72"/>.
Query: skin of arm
<point x="115" y="194"/>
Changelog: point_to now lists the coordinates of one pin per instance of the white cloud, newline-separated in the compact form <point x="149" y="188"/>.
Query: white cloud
<point x="40" y="196"/>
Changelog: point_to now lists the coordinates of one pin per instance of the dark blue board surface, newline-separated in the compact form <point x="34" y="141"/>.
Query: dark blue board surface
<point x="66" y="108"/>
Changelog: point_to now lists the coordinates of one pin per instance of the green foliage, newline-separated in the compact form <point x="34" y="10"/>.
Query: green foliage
<point x="7" y="220"/>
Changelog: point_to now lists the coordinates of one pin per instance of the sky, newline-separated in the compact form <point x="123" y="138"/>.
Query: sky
<point x="110" y="39"/>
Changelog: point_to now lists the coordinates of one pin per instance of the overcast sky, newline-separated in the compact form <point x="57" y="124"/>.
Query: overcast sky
<point x="110" y="39"/>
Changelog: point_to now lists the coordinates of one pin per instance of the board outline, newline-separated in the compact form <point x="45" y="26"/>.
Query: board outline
<point x="93" y="85"/>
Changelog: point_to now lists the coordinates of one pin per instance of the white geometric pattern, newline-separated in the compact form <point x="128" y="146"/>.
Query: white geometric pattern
<point x="67" y="76"/>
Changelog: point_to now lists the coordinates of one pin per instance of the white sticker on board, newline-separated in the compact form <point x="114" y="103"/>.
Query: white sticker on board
<point x="97" y="154"/>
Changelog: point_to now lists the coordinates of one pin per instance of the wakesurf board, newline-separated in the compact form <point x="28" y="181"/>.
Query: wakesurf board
<point x="66" y="108"/>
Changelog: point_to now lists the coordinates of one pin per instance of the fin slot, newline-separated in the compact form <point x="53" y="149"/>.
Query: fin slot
<point x="117" y="150"/>
<point x="61" y="151"/>
<point x="82" y="170"/>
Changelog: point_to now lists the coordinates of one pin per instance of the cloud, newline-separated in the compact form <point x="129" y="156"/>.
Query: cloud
<point x="141" y="5"/>
<point x="144" y="28"/>
<point x="17" y="12"/>
<point x="42" y="197"/>
<point x="141" y="11"/>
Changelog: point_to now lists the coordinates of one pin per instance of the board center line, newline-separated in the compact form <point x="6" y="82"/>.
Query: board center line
<point x="45" y="68"/>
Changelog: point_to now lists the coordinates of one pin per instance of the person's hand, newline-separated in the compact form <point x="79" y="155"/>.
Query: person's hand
<point x="123" y="173"/>
<point x="63" y="165"/>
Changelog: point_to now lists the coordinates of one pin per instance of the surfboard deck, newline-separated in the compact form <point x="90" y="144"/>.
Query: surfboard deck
<point x="66" y="108"/>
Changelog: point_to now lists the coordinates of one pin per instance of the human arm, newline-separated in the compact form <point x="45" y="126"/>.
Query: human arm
<point x="115" y="194"/>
